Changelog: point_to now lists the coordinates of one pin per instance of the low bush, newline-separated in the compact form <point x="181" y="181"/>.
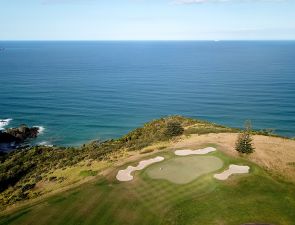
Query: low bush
<point x="173" y="129"/>
<point x="145" y="151"/>
<point x="88" y="173"/>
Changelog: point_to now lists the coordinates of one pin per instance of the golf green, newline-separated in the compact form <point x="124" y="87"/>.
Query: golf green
<point x="182" y="170"/>
<point x="147" y="201"/>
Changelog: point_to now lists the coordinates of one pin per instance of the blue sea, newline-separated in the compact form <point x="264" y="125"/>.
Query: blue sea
<point x="80" y="91"/>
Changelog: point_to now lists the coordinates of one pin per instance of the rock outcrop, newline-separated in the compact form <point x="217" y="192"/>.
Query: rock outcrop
<point x="23" y="132"/>
<point x="13" y="137"/>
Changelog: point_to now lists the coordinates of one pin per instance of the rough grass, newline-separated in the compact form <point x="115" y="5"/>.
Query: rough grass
<point x="88" y="173"/>
<point x="70" y="175"/>
<point x="207" y="127"/>
<point x="254" y="197"/>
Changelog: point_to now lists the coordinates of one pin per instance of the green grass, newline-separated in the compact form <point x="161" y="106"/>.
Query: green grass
<point x="254" y="197"/>
<point x="182" y="170"/>
<point x="88" y="173"/>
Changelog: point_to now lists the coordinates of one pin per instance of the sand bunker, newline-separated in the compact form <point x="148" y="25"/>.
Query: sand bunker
<point x="233" y="169"/>
<point x="195" y="152"/>
<point x="125" y="175"/>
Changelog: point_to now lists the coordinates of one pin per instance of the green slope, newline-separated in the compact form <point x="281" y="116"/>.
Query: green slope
<point x="255" y="197"/>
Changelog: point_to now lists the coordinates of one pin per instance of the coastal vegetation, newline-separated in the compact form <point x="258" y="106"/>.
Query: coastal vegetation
<point x="174" y="129"/>
<point x="244" y="140"/>
<point x="21" y="170"/>
<point x="88" y="174"/>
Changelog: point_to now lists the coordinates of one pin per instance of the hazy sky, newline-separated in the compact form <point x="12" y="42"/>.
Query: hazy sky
<point x="146" y="19"/>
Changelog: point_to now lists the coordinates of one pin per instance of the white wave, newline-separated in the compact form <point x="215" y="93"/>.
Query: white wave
<point x="40" y="129"/>
<point x="45" y="143"/>
<point x="4" y="123"/>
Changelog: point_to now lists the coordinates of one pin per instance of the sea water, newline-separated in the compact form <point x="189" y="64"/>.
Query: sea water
<point x="80" y="91"/>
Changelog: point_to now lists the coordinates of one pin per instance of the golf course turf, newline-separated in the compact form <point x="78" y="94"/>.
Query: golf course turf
<point x="248" y="198"/>
<point x="182" y="170"/>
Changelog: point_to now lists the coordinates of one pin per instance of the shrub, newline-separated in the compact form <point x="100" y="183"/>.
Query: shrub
<point x="291" y="164"/>
<point x="145" y="151"/>
<point x="88" y="173"/>
<point x="27" y="187"/>
<point x="173" y="129"/>
<point x="53" y="178"/>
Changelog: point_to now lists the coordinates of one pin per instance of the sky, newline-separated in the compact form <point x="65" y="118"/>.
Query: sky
<point x="147" y="19"/>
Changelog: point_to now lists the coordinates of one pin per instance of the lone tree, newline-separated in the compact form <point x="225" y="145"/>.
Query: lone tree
<point x="173" y="129"/>
<point x="244" y="141"/>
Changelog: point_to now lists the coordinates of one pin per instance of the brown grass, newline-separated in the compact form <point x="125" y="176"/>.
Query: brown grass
<point x="272" y="153"/>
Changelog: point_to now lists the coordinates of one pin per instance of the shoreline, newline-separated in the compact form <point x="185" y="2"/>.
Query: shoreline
<point x="30" y="143"/>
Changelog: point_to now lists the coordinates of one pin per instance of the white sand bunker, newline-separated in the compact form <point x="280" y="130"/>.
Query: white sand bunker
<point x="125" y="175"/>
<point x="233" y="169"/>
<point x="195" y="152"/>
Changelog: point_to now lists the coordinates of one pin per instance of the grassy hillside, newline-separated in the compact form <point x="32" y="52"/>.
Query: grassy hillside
<point x="254" y="197"/>
<point x="29" y="173"/>
<point x="78" y="186"/>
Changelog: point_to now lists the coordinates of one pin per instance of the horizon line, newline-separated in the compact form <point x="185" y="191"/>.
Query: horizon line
<point x="114" y="40"/>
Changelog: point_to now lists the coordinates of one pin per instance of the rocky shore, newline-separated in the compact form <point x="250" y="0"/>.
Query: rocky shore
<point x="14" y="137"/>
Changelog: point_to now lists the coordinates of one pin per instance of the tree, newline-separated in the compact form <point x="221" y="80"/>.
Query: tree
<point x="244" y="141"/>
<point x="173" y="129"/>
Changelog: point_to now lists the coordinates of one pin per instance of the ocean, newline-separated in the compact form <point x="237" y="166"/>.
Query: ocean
<point x="80" y="91"/>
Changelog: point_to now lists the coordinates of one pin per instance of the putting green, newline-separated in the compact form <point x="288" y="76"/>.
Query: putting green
<point x="182" y="170"/>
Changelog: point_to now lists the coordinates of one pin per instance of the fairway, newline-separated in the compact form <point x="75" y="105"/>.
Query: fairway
<point x="147" y="201"/>
<point x="182" y="170"/>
